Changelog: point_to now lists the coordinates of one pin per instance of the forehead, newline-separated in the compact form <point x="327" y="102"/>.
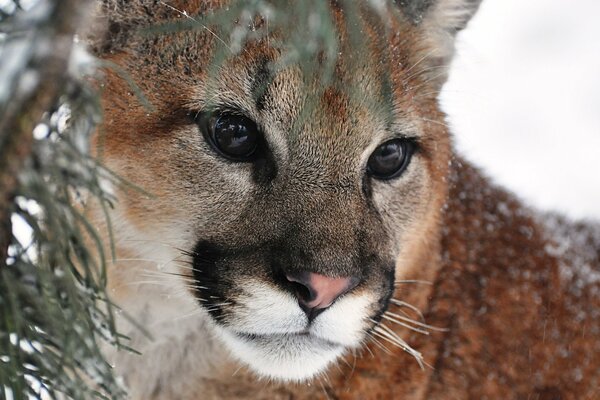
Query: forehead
<point x="366" y="90"/>
<point x="362" y="98"/>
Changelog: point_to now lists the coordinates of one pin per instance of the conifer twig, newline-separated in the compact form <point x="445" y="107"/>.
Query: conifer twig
<point x="36" y="86"/>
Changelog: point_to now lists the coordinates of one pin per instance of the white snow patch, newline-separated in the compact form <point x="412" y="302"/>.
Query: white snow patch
<point x="81" y="61"/>
<point x="14" y="57"/>
<point x="524" y="98"/>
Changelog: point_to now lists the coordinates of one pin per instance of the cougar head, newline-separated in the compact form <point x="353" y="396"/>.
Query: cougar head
<point x="294" y="200"/>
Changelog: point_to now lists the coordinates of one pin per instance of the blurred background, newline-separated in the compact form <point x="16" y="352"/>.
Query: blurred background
<point x="524" y="100"/>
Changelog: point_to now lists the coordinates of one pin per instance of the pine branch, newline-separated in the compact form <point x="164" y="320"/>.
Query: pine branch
<point x="44" y="54"/>
<point x="54" y="311"/>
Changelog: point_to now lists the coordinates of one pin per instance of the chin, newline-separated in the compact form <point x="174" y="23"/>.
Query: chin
<point x="293" y="357"/>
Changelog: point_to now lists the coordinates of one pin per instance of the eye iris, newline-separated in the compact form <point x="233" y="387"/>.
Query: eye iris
<point x="389" y="159"/>
<point x="235" y="136"/>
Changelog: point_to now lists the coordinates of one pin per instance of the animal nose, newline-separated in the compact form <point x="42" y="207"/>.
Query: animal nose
<point x="316" y="292"/>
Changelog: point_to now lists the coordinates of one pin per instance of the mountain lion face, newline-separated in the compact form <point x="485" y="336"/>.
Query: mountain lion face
<point x="286" y="205"/>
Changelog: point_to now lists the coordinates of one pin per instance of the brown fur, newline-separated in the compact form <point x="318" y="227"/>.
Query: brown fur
<point x="515" y="328"/>
<point x="519" y="316"/>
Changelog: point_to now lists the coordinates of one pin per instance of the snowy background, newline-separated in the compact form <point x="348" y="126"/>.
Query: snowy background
<point x="524" y="100"/>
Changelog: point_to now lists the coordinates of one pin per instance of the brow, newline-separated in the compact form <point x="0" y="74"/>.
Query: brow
<point x="262" y="77"/>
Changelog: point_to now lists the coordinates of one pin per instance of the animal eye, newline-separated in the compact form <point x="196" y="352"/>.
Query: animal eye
<point x="233" y="136"/>
<point x="390" y="159"/>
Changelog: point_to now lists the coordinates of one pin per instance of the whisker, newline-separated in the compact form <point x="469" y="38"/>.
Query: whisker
<point x="194" y="286"/>
<point x="420" y="61"/>
<point x="425" y="95"/>
<point x="381" y="328"/>
<point x="352" y="368"/>
<point x="422" y="71"/>
<point x="431" y="79"/>
<point x="191" y="314"/>
<point x="159" y="265"/>
<point x="394" y="338"/>
<point x="378" y="344"/>
<point x="405" y="313"/>
<point x="161" y="274"/>
<point x="148" y="282"/>
<point x="379" y="335"/>
<point x="396" y="283"/>
<point x="117" y="260"/>
<point x="412" y="328"/>
<point x="323" y="386"/>
<point x="445" y="125"/>
<point x="237" y="370"/>
<point x="366" y="346"/>
<point x="422" y="325"/>
<point x="184" y="253"/>
<point x="181" y="264"/>
<point x="165" y="244"/>
<point x="215" y="307"/>
<point x="185" y="14"/>
<point x="401" y="303"/>
<point x="225" y="303"/>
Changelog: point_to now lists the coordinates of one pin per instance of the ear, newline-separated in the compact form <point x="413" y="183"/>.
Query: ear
<point x="451" y="15"/>
<point x="440" y="20"/>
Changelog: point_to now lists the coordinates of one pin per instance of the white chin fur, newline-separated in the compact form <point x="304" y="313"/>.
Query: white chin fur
<point x="283" y="357"/>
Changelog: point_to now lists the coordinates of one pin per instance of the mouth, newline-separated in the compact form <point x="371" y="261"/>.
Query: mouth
<point x="282" y="337"/>
<point x="263" y="322"/>
<point x="292" y="357"/>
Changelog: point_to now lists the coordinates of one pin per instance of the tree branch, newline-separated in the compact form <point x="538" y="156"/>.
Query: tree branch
<point x="34" y="66"/>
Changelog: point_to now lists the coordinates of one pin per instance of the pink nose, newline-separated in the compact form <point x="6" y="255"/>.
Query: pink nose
<point x="317" y="292"/>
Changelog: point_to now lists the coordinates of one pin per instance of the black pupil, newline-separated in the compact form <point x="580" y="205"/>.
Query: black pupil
<point x="387" y="159"/>
<point x="236" y="136"/>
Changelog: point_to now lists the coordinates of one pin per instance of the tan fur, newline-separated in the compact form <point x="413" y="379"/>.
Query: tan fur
<point x="517" y="306"/>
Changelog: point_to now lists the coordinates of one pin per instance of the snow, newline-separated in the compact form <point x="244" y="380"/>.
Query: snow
<point x="15" y="56"/>
<point x="81" y="62"/>
<point x="22" y="230"/>
<point x="524" y="100"/>
<point x="16" y="53"/>
<point x="8" y="6"/>
<point x="576" y="247"/>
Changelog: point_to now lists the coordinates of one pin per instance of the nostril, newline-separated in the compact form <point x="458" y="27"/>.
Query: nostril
<point x="303" y="292"/>
<point x="318" y="292"/>
<point x="300" y="283"/>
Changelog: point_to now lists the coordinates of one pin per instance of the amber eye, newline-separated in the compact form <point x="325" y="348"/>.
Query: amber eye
<point x="390" y="159"/>
<point x="233" y="136"/>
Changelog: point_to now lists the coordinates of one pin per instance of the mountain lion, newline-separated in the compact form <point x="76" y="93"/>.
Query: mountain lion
<point x="296" y="234"/>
